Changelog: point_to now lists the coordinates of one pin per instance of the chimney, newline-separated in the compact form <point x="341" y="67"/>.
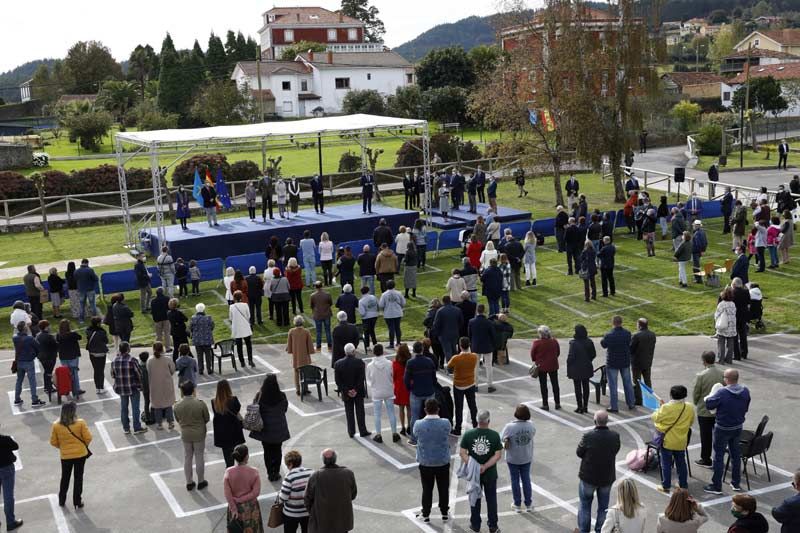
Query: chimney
<point x="298" y="17"/>
<point x="341" y="17"/>
<point x="330" y="57"/>
<point x="311" y="56"/>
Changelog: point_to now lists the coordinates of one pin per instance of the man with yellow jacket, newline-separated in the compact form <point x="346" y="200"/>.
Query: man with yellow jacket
<point x="674" y="419"/>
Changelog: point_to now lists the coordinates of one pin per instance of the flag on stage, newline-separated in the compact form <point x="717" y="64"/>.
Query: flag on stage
<point x="649" y="398"/>
<point x="533" y="116"/>
<point x="210" y="181"/>
<point x="222" y="191"/>
<point x="547" y="120"/>
<point x="198" y="186"/>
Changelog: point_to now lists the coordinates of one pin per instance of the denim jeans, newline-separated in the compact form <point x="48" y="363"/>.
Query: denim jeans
<point x="727" y="439"/>
<point x="680" y="465"/>
<point x="448" y="348"/>
<point x="627" y="384"/>
<point x="377" y="411"/>
<point x="773" y="255"/>
<point x="494" y="306"/>
<point x="87" y="300"/>
<point x="490" y="493"/>
<point x="415" y="406"/>
<point x="29" y="368"/>
<point x="310" y="269"/>
<point x="76" y="380"/>
<point x="393" y="324"/>
<point x="319" y="324"/>
<point x="123" y="411"/>
<point x="368" y="281"/>
<point x="521" y="474"/>
<point x="7" y="475"/>
<point x="162" y="413"/>
<point x="586" y="494"/>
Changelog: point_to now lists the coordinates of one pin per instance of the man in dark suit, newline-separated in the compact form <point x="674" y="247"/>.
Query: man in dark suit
<point x="343" y="334"/>
<point x="483" y="339"/>
<point x="367" y="189"/>
<point x="741" y="299"/>
<point x="632" y="184"/>
<point x="318" y="194"/>
<point x="784" y="200"/>
<point x="783" y="154"/>
<point x="467" y="308"/>
<point x="573" y="244"/>
<point x="643" y="142"/>
<point x="741" y="266"/>
<point x="447" y="326"/>
<point x="457" y="185"/>
<point x="408" y="191"/>
<point x="480" y="184"/>
<point x="350" y="376"/>
<point x="572" y="187"/>
<point x="606" y="258"/>
<point x="726" y="206"/>
<point x="643" y="347"/>
<point x="267" y="188"/>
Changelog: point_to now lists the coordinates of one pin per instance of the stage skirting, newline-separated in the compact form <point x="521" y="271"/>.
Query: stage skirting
<point x="461" y="218"/>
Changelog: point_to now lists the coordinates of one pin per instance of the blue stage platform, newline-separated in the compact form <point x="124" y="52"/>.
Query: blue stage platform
<point x="238" y="236"/>
<point x="461" y="218"/>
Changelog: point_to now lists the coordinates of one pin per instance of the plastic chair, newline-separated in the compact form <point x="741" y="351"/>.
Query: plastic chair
<point x="225" y="350"/>
<point x="313" y="375"/>
<point x="758" y="447"/>
<point x="724" y="269"/>
<point x="599" y="383"/>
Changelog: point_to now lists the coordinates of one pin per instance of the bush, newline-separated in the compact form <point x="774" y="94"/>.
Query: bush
<point x="349" y="162"/>
<point x="445" y="104"/>
<point x="709" y="140"/>
<point x="89" y="128"/>
<point x="725" y="119"/>
<point x="244" y="170"/>
<point x="368" y="101"/>
<point x="15" y="185"/>
<point x="443" y="144"/>
<point x="184" y="172"/>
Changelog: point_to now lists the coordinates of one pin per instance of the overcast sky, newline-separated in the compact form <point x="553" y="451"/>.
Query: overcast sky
<point x="47" y="28"/>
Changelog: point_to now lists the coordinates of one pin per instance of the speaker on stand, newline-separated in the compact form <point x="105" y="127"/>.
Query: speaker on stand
<point x="679" y="176"/>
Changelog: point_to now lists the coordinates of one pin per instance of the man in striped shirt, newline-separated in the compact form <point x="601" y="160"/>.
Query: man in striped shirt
<point x="293" y="491"/>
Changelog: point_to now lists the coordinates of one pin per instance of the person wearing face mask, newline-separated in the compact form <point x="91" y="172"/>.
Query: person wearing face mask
<point x="788" y="512"/>
<point x="748" y="520"/>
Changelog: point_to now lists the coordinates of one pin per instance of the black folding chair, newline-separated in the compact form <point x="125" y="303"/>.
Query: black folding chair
<point x="758" y="447"/>
<point x="600" y="382"/>
<point x="657" y="451"/>
<point x="225" y="350"/>
<point x="312" y="375"/>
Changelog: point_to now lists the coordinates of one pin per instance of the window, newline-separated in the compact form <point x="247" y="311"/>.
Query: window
<point x="352" y="34"/>
<point x="286" y="85"/>
<point x="726" y="96"/>
<point x="288" y="36"/>
<point x="332" y="35"/>
<point x="369" y="76"/>
<point x="342" y="83"/>
<point x="756" y="42"/>
<point x="287" y="106"/>
<point x="303" y="85"/>
<point x="409" y="78"/>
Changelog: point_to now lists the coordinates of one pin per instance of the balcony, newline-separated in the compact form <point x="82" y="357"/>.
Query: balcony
<point x="340" y="48"/>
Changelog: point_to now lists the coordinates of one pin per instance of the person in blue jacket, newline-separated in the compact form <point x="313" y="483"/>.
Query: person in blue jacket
<point x="788" y="512"/>
<point x="367" y="190"/>
<point x="419" y="378"/>
<point x="492" y="281"/>
<point x="27" y="350"/>
<point x="617" y="343"/>
<point x="741" y="267"/>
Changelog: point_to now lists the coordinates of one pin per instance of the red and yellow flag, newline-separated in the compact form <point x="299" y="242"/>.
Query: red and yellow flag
<point x="547" y="120"/>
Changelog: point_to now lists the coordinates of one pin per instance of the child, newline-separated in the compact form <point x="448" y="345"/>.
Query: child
<point x="756" y="305"/>
<point x="56" y="290"/>
<point x="186" y="365"/>
<point x="195" y="276"/>
<point x="773" y="239"/>
<point x="147" y="416"/>
<point x="181" y="275"/>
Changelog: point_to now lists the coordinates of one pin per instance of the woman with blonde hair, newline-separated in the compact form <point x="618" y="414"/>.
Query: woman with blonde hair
<point x="682" y="515"/>
<point x="529" y="259"/>
<point x="487" y="255"/>
<point x="71" y="436"/>
<point x="226" y="282"/>
<point x="326" y="258"/>
<point x="628" y="514"/>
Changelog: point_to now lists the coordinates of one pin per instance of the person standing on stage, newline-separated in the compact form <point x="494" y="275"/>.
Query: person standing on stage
<point x="182" y="206"/>
<point x="318" y="194"/>
<point x="367" y="189"/>
<point x="457" y="185"/>
<point x="409" y="187"/>
<point x="281" y="194"/>
<point x="480" y="184"/>
<point x="491" y="192"/>
<point x="293" y="188"/>
<point x="250" y="197"/>
<point x="266" y="187"/>
<point x="210" y="203"/>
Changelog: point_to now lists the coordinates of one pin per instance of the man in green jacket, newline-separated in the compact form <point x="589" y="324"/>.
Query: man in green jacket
<point x="192" y="415"/>
<point x="703" y="383"/>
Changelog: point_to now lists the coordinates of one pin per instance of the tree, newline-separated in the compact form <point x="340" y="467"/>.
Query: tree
<point x="718" y="16"/>
<point x="301" y="47"/>
<point x="406" y="102"/>
<point x="761" y="9"/>
<point x="445" y="66"/>
<point x="723" y="44"/>
<point x="484" y="59"/>
<point x="171" y="88"/>
<point x="219" y="103"/>
<point x="765" y="96"/>
<point x="445" y="104"/>
<point x="685" y="114"/>
<point x="231" y="49"/>
<point x="89" y="128"/>
<point x="148" y="117"/>
<point x="367" y="101"/>
<point x="90" y="63"/>
<point x="143" y="66"/>
<point x="40" y="182"/>
<point x="2" y="101"/>
<point x="216" y="59"/>
<point x="117" y="97"/>
<point x="44" y="87"/>
<point x="251" y="49"/>
<point x="361" y="10"/>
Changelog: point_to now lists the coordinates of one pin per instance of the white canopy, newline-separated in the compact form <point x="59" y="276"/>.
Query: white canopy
<point x="222" y="134"/>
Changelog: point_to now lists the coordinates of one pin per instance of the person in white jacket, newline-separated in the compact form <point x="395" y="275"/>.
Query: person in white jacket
<point x="226" y="282"/>
<point x="487" y="255"/>
<point x="725" y="326"/>
<point x="381" y="386"/>
<point x="269" y="275"/>
<point x="239" y="315"/>
<point x="628" y="514"/>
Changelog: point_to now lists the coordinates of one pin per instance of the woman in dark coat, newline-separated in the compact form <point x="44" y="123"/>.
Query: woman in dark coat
<point x="587" y="270"/>
<point x="182" y="206"/>
<point x="123" y="318"/>
<point x="544" y="354"/>
<point x="108" y="321"/>
<point x="177" y="326"/>
<point x="579" y="366"/>
<point x="227" y="424"/>
<point x="272" y="404"/>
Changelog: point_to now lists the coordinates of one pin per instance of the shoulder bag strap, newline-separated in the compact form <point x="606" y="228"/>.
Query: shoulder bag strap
<point x="676" y="420"/>
<point x="79" y="439"/>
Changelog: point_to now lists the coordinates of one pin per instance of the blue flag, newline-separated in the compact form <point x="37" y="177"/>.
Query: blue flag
<point x="222" y="191"/>
<point x="649" y="398"/>
<point x="533" y="116"/>
<point x="197" y="187"/>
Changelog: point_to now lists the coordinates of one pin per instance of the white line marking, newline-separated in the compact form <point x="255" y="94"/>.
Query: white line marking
<point x="58" y="514"/>
<point x="15" y="410"/>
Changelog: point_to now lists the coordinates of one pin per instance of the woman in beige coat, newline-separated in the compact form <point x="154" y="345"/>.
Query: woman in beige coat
<point x="300" y="346"/>
<point x="162" y="389"/>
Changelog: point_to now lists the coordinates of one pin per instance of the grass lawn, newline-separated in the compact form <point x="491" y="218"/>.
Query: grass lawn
<point x="645" y="287"/>
<point x="751" y="159"/>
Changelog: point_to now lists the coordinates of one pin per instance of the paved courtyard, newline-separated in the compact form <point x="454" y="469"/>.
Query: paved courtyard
<point x="135" y="483"/>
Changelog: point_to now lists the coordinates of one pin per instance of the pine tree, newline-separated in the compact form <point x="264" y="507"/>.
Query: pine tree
<point x="230" y="45"/>
<point x="241" y="48"/>
<point x="361" y="10"/>
<point x="216" y="59"/>
<point x="171" y="93"/>
<point x="251" y="50"/>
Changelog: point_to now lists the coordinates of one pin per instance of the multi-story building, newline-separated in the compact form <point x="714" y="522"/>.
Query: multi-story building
<point x="786" y="40"/>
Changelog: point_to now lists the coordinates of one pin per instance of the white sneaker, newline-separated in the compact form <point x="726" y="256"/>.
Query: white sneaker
<point x="529" y="509"/>
<point x="516" y="508"/>
<point x="101" y="391"/>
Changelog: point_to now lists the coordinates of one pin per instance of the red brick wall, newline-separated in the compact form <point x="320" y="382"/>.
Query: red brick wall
<point x="317" y="35"/>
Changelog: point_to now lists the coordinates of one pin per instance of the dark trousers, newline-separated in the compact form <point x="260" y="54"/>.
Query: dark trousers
<point x="271" y="305"/>
<point x="266" y="204"/>
<point x="422" y="250"/>
<point x="327" y="272"/>
<point x="440" y="475"/>
<point x="272" y="459"/>
<point x="252" y="212"/>
<point x="366" y="203"/>
<point x="393" y="324"/>
<point x="458" y="399"/>
<point x="354" y="411"/>
<point x="67" y="466"/>
<point x="297" y="300"/>
<point x="560" y="239"/>
<point x="282" y="313"/>
<point x="643" y="373"/>
<point x="195" y="286"/>
<point x="368" y="325"/>
<point x="490" y="493"/>
<point x="36" y="306"/>
<point x="409" y="200"/>
<point x="740" y="345"/>
<point x="205" y="358"/>
<point x="248" y="341"/>
<point x="572" y="259"/>
<point x="588" y="284"/>
<point x="384" y="279"/>
<point x="47" y="366"/>
<point x="581" y="393"/>
<point x="255" y="310"/>
<point x="760" y="259"/>
<point x="607" y="281"/>
<point x="227" y="454"/>
<point x="481" y="194"/>
<point x="182" y="289"/>
<point x="99" y="369"/>
<point x="726" y="223"/>
<point x="290" y="524"/>
<point x="782" y="159"/>
<point x="319" y="202"/>
<point x="696" y="266"/>
<point x="554" y="382"/>
<point x="706" y="424"/>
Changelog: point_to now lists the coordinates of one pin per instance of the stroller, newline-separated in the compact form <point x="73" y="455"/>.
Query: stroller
<point x="756" y="307"/>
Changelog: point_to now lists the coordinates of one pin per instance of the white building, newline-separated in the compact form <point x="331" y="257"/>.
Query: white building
<point x="786" y="73"/>
<point x="317" y="83"/>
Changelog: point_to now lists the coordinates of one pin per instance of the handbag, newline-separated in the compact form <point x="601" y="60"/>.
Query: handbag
<point x="252" y="417"/>
<point x="534" y="370"/>
<point x="275" y="518"/>
<point x="88" y="451"/>
<point x="721" y="323"/>
<point x="583" y="273"/>
<point x="658" y="436"/>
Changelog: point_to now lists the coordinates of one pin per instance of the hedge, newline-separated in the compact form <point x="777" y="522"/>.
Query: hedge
<point x="90" y="180"/>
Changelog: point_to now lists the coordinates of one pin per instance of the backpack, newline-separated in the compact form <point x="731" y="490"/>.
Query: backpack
<point x="636" y="460"/>
<point x="252" y="418"/>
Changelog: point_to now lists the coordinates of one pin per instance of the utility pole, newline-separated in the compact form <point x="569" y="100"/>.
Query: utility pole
<point x="319" y="152"/>
<point x="260" y="92"/>
<point x="746" y="106"/>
